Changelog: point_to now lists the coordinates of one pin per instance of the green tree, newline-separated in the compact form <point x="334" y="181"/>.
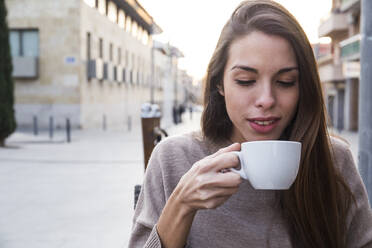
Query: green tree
<point x="7" y="119"/>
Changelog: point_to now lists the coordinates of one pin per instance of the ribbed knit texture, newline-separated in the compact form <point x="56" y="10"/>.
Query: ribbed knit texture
<point x="250" y="218"/>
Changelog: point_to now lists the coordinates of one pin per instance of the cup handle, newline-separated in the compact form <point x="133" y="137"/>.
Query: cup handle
<point x="239" y="171"/>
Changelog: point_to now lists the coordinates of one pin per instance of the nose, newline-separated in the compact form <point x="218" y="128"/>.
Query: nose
<point x="265" y="97"/>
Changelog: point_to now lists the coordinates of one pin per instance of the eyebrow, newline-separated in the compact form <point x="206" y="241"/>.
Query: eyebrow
<point x="247" y="68"/>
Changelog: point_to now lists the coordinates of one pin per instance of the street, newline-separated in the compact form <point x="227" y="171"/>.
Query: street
<point x="78" y="194"/>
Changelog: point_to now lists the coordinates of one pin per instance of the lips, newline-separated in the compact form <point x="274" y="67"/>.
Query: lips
<point x="264" y="124"/>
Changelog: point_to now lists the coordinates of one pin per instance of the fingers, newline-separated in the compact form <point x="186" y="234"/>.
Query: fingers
<point x="228" y="179"/>
<point x="208" y="159"/>
<point x="223" y="161"/>
<point x="220" y="160"/>
<point x="213" y="179"/>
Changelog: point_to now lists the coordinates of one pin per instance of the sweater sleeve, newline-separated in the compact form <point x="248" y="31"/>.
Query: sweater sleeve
<point x="149" y="206"/>
<point x="359" y="220"/>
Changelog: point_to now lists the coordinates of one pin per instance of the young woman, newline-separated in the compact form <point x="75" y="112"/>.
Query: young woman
<point x="262" y="84"/>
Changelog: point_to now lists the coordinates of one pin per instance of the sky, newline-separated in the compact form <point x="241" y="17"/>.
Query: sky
<point x="194" y="26"/>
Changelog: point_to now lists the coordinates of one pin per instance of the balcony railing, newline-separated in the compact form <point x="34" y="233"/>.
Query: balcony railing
<point x="336" y="23"/>
<point x="324" y="59"/>
<point x="330" y="72"/>
<point x="25" y="67"/>
<point x="349" y="4"/>
<point x="350" y="48"/>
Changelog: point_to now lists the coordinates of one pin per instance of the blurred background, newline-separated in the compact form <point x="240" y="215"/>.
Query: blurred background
<point x="97" y="83"/>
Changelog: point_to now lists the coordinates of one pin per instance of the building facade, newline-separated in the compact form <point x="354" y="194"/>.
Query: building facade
<point x="339" y="69"/>
<point x="89" y="61"/>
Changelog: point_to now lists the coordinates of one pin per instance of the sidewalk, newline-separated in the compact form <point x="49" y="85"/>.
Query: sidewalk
<point x="72" y="195"/>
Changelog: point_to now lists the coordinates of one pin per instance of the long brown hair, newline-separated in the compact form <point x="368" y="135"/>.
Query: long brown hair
<point x="317" y="203"/>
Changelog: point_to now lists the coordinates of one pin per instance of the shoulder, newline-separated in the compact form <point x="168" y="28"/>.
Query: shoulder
<point x="341" y="153"/>
<point x="344" y="160"/>
<point x="340" y="147"/>
<point x="339" y="144"/>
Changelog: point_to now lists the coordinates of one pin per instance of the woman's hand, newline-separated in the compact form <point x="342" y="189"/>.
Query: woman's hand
<point x="209" y="183"/>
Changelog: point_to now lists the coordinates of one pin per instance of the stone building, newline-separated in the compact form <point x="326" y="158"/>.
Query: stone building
<point x="87" y="60"/>
<point x="167" y="79"/>
<point x="340" y="68"/>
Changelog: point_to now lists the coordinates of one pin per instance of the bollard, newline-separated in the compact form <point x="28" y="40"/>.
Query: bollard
<point x="68" y="130"/>
<point x="51" y="127"/>
<point x="104" y="123"/>
<point x="35" y="125"/>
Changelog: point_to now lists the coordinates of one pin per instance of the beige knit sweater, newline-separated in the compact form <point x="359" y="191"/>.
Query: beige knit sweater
<point x="250" y="218"/>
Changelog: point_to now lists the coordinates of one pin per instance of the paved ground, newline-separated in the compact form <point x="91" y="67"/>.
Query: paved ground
<point x="74" y="195"/>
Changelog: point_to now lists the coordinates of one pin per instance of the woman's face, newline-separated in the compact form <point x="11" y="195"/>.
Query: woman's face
<point x="261" y="87"/>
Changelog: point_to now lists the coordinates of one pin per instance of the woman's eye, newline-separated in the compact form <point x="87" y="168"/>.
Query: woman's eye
<point x="286" y="83"/>
<point x="245" y="82"/>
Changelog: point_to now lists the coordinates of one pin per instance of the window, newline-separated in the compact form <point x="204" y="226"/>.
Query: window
<point x="121" y="19"/>
<point x="89" y="68"/>
<point x="111" y="51"/>
<point x="139" y="36"/>
<point x="134" y="28"/>
<point x="24" y="43"/>
<point x="102" y="6"/>
<point x="112" y="11"/>
<point x="88" y="47"/>
<point x="100" y="48"/>
<point x="107" y="10"/>
<point x="128" y="24"/>
<point x="145" y="37"/>
<point x="117" y="15"/>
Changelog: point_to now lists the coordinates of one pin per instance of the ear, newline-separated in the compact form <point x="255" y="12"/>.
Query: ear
<point x="220" y="89"/>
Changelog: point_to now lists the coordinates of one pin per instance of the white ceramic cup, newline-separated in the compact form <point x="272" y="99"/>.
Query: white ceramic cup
<point x="269" y="164"/>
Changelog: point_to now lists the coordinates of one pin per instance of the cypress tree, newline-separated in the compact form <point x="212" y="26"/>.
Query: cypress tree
<point x="7" y="119"/>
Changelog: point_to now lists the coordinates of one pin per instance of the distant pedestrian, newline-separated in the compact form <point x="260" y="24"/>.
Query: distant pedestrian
<point x="175" y="114"/>
<point x="262" y="84"/>
<point x="181" y="110"/>
<point x="190" y="111"/>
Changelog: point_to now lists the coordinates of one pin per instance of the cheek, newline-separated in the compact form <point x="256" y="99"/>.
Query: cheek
<point x="291" y="104"/>
<point x="234" y="103"/>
